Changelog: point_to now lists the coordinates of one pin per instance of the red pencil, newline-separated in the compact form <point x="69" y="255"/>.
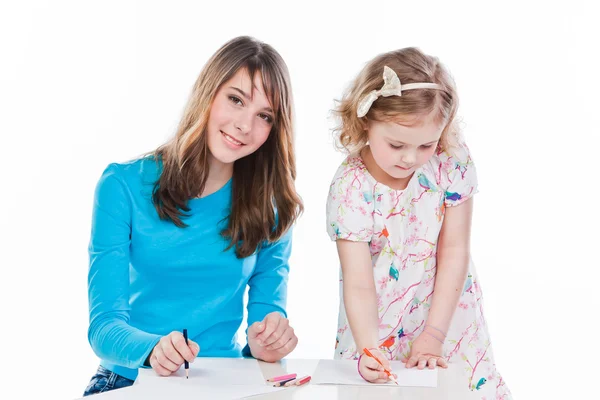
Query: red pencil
<point x="299" y="381"/>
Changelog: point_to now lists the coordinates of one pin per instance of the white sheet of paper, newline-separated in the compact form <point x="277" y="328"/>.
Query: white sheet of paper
<point x="155" y="390"/>
<point x="344" y="372"/>
<point x="213" y="378"/>
<point x="212" y="371"/>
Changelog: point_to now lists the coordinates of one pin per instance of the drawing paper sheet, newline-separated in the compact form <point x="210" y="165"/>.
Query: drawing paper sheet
<point x="212" y="378"/>
<point x="155" y="390"/>
<point x="344" y="372"/>
<point x="212" y="371"/>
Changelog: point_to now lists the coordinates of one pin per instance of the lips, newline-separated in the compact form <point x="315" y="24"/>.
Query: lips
<point x="403" y="168"/>
<point x="231" y="139"/>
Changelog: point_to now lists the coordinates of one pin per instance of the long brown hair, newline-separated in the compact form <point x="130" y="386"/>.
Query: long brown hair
<point x="264" y="199"/>
<point x="411" y="65"/>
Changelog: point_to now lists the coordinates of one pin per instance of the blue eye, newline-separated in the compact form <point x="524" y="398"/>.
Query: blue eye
<point x="236" y="100"/>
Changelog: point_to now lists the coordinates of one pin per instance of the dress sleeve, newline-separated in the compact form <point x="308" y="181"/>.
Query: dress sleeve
<point x="459" y="176"/>
<point x="350" y="205"/>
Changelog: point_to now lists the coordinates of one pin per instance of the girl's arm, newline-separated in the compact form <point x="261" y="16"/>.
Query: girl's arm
<point x="360" y="298"/>
<point x="109" y="332"/>
<point x="270" y="336"/>
<point x="452" y="264"/>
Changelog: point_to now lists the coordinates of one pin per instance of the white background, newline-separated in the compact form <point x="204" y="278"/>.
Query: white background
<point x="86" y="83"/>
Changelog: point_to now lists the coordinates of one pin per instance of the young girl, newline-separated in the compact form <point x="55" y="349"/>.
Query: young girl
<point x="177" y="236"/>
<point x="399" y="208"/>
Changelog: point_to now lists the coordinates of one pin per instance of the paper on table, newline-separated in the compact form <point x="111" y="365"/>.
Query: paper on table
<point x="213" y="378"/>
<point x="343" y="372"/>
<point x="170" y="389"/>
<point x="212" y="371"/>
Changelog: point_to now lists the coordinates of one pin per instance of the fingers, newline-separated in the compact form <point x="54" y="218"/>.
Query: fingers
<point x="426" y="360"/>
<point x="161" y="363"/>
<point x="255" y="329"/>
<point x="194" y="347"/>
<point x="171" y="352"/>
<point x="442" y="363"/>
<point x="372" y="371"/>
<point x="180" y="350"/>
<point x="412" y="361"/>
<point x="280" y="337"/>
<point x="156" y="366"/>
<point x="288" y="347"/>
<point x="271" y="324"/>
<point x="432" y="362"/>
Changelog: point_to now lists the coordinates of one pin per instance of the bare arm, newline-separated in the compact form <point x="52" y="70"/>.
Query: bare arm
<point x="360" y="297"/>
<point x="452" y="264"/>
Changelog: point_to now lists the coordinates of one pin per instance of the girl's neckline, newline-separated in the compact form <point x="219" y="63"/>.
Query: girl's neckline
<point x="370" y="176"/>
<point x="223" y="188"/>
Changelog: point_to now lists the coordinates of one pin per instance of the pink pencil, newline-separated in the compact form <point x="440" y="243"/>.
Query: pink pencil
<point x="282" y="378"/>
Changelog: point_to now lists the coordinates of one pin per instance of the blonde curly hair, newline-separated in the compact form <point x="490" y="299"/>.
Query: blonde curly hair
<point x="411" y="65"/>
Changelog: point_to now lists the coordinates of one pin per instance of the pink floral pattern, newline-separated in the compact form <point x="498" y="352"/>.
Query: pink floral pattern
<point x="402" y="228"/>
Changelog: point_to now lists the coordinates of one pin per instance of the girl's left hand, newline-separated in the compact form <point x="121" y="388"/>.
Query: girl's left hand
<point x="426" y="351"/>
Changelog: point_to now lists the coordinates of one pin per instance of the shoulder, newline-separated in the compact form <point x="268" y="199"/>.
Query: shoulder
<point x="135" y="176"/>
<point x="352" y="175"/>
<point x="350" y="203"/>
<point x="459" y="153"/>
<point x="445" y="164"/>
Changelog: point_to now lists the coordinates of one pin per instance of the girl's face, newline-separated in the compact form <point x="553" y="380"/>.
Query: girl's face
<point x="399" y="148"/>
<point x="240" y="118"/>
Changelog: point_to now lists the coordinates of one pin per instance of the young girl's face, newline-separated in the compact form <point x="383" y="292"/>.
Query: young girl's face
<point x="399" y="148"/>
<point x="240" y="118"/>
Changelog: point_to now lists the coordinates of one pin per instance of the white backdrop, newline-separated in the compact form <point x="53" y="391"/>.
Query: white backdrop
<point x="88" y="83"/>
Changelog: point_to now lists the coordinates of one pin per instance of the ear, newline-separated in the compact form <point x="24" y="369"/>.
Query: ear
<point x="364" y="123"/>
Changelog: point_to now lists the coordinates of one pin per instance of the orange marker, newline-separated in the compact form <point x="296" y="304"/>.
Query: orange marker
<point x="389" y="373"/>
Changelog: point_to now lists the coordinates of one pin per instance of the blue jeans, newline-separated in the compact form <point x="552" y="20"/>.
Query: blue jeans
<point x="105" y="380"/>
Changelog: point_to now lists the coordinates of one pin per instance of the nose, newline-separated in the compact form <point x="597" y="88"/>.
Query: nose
<point x="244" y="123"/>
<point x="409" y="157"/>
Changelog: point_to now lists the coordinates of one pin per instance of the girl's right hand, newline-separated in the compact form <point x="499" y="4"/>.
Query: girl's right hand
<point x="370" y="370"/>
<point x="170" y="353"/>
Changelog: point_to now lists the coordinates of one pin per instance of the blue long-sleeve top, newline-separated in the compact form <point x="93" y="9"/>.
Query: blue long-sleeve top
<point x="147" y="277"/>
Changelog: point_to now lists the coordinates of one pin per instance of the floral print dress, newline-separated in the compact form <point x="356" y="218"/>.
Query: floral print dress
<point x="402" y="229"/>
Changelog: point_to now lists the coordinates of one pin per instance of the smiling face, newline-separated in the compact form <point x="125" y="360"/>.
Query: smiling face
<point x="397" y="149"/>
<point x="240" y="118"/>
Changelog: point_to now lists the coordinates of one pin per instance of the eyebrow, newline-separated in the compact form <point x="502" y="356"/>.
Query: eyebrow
<point x="397" y="141"/>
<point x="247" y="97"/>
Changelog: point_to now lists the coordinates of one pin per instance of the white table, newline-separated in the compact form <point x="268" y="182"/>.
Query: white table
<point x="450" y="387"/>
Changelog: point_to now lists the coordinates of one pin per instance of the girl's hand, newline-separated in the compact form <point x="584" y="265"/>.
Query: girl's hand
<point x="271" y="339"/>
<point x="426" y="351"/>
<point x="170" y="353"/>
<point x="370" y="370"/>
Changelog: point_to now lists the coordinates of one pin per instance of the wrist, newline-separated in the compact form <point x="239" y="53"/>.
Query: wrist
<point x="430" y="335"/>
<point x="437" y="329"/>
<point x="147" y="360"/>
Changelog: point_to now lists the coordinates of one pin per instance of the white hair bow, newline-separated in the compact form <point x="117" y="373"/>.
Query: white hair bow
<point x="391" y="87"/>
